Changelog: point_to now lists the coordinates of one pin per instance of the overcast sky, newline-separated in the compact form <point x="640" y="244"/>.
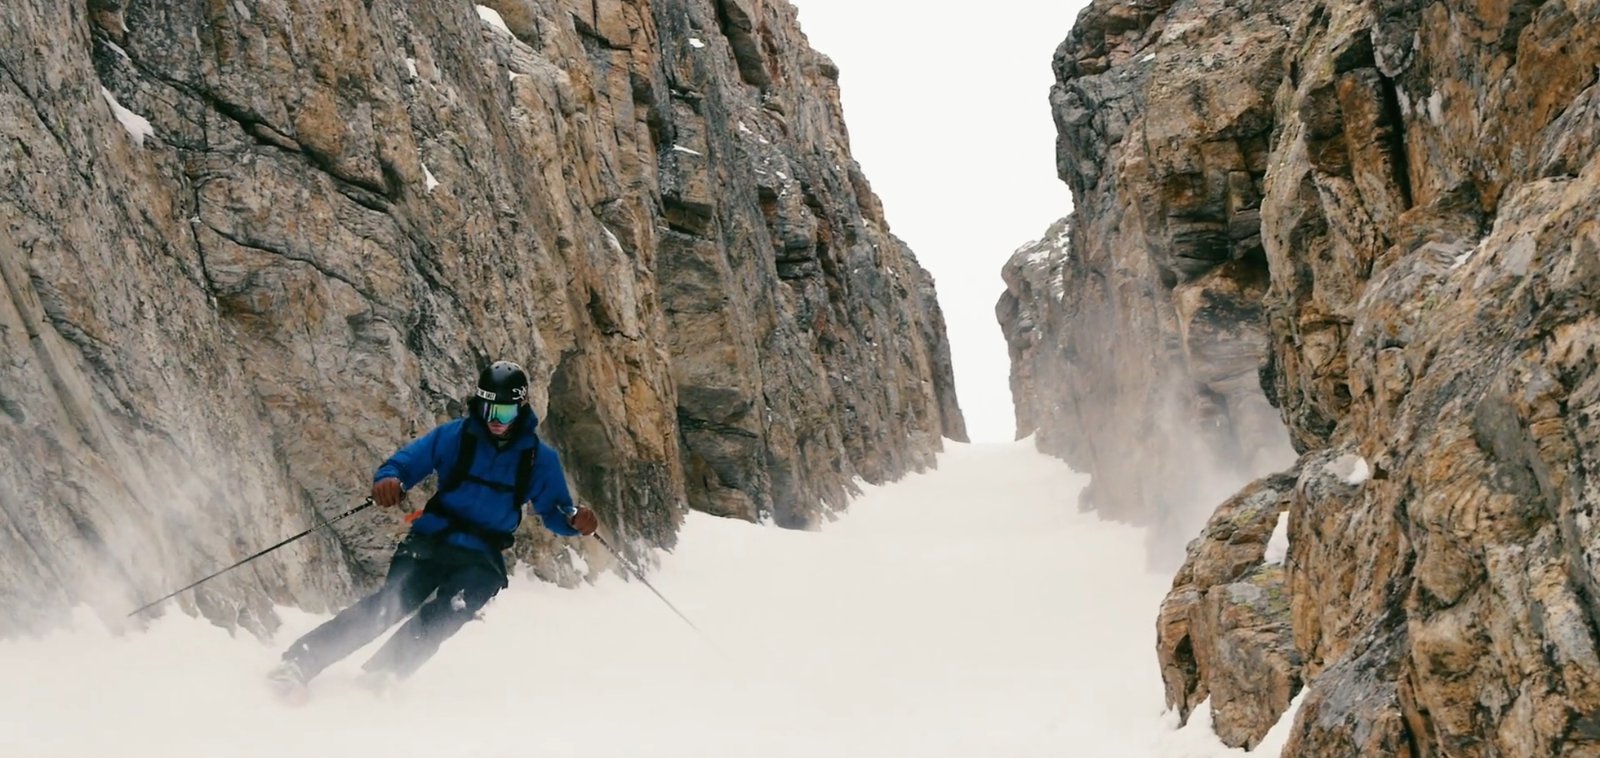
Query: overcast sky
<point x="949" y="116"/>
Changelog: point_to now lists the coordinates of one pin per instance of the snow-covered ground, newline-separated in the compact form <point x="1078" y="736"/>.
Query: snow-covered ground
<point x="969" y="611"/>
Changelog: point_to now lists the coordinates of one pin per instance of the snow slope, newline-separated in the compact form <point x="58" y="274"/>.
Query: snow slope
<point x="969" y="611"/>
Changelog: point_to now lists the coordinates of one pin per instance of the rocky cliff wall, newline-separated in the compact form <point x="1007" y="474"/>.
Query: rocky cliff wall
<point x="249" y="249"/>
<point x="1421" y="226"/>
<point x="1144" y="368"/>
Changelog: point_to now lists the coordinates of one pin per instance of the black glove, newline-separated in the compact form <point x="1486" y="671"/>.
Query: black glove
<point x="584" y="521"/>
<point x="388" y="493"/>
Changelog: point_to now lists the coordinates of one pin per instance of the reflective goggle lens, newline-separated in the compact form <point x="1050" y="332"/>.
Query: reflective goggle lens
<point x="503" y="413"/>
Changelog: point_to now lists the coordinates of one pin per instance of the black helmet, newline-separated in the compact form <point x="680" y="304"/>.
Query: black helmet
<point x="503" y="382"/>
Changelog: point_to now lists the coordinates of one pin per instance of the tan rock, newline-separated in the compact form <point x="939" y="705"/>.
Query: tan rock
<point x="1224" y="630"/>
<point x="212" y="336"/>
<point x="1427" y="222"/>
<point x="1137" y="345"/>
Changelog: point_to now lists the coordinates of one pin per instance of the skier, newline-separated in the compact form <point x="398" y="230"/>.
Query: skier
<point x="489" y="463"/>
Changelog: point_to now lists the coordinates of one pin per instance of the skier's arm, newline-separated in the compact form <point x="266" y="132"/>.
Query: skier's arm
<point x="414" y="462"/>
<point x="551" y="499"/>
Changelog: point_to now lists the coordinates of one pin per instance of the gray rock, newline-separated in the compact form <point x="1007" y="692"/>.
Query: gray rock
<point x="1139" y="348"/>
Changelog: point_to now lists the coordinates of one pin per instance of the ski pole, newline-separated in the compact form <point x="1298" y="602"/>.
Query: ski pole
<point x="363" y="506"/>
<point x="640" y="576"/>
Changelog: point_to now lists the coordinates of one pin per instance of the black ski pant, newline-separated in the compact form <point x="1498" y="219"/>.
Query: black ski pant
<point x="460" y="588"/>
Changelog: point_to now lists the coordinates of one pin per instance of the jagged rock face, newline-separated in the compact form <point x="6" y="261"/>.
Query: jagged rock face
<point x="1429" y="222"/>
<point x="1035" y="298"/>
<point x="1451" y="250"/>
<point x="1223" y="632"/>
<point x="1148" y="359"/>
<point x="216" y="329"/>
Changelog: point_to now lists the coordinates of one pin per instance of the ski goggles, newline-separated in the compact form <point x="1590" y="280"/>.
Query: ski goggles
<point x="501" y="413"/>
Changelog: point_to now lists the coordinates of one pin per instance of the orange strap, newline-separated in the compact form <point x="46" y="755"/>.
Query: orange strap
<point x="414" y="515"/>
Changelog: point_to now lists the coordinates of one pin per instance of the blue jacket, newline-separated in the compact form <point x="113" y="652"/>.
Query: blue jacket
<point x="477" y="503"/>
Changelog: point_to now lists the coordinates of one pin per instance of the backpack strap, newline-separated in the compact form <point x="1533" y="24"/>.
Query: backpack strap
<point x="461" y="472"/>
<point x="525" y="472"/>
<point x="464" y="456"/>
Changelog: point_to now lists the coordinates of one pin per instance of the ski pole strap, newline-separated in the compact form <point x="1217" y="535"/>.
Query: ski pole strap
<point x="363" y="506"/>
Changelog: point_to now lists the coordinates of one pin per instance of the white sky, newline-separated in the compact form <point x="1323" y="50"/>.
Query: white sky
<point x="970" y="611"/>
<point x="949" y="116"/>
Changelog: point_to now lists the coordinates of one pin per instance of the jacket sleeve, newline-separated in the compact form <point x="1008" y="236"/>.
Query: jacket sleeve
<point x="551" y="499"/>
<point x="414" y="462"/>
